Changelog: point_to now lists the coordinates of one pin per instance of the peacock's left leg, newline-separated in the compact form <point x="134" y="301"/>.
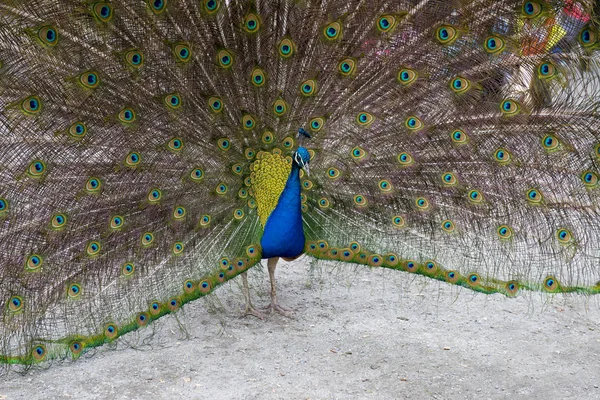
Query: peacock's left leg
<point x="274" y="306"/>
<point x="250" y="310"/>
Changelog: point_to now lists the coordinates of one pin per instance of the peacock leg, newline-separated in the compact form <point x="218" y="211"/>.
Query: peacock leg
<point x="250" y="310"/>
<point x="275" y="307"/>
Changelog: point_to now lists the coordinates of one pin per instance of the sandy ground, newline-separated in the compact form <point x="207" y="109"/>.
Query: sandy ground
<point x="357" y="334"/>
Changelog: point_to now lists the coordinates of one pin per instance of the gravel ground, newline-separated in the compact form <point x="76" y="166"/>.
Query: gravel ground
<point x="356" y="334"/>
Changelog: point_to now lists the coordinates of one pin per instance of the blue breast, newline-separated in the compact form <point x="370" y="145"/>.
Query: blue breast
<point x="284" y="235"/>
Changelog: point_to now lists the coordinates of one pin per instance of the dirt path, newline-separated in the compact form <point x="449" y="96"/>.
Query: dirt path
<point x="357" y="334"/>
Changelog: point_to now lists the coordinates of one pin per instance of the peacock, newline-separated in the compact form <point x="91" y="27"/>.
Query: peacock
<point x="152" y="150"/>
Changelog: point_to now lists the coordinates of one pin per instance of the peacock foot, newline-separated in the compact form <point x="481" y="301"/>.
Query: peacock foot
<point x="276" y="308"/>
<point x="250" y="310"/>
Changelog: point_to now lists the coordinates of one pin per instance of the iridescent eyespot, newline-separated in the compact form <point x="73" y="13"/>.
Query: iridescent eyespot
<point x="238" y="213"/>
<point x="546" y="70"/>
<point x="474" y="280"/>
<point x="154" y="195"/>
<point x="355" y="247"/>
<point x="588" y="37"/>
<point x="116" y="222"/>
<point x="221" y="188"/>
<point x="398" y="221"/>
<point x="494" y="44"/>
<point x="386" y="23"/>
<point x="215" y="104"/>
<point x="323" y="202"/>
<point x="93" y="185"/>
<point x="31" y="105"/>
<point x="288" y="142"/>
<point x="458" y="136"/>
<point x="267" y="137"/>
<point x="308" y="87"/>
<point x="142" y="319"/>
<point x="248" y="122"/>
<point x="446" y="34"/>
<point x="74" y="290"/>
<point x="89" y="79"/>
<point x="58" y="221"/>
<point x="204" y="286"/>
<point x="237" y="169"/>
<point x="224" y="143"/>
<point x="189" y="286"/>
<point x="509" y="107"/>
<point x="512" y="288"/>
<point x="204" y="220"/>
<point x="316" y="124"/>
<point x="422" y="203"/>
<point x="175" y="144"/>
<point x="251" y="23"/>
<point x="411" y="266"/>
<point x="242" y="193"/>
<point x="147" y="239"/>
<point x="76" y="348"/>
<point x="15" y="303"/>
<point x="224" y="58"/>
<point x="211" y="6"/>
<point x="375" y="260"/>
<point x="413" y="124"/>
<point x="531" y="9"/>
<point x="590" y="179"/>
<point x="452" y="276"/>
<point x="358" y="153"/>
<point x="111" y="331"/>
<point x="332" y="31"/>
<point x="134" y="58"/>
<point x="502" y="156"/>
<point x="460" y="84"/>
<point x="430" y="266"/>
<point x="126" y="115"/>
<point x="504" y="232"/>
<point x="154" y="308"/>
<point x="3" y="205"/>
<point x="48" y="36"/>
<point x="279" y="107"/>
<point x="157" y="6"/>
<point x="36" y="169"/>
<point x="333" y="173"/>
<point x="173" y="304"/>
<point x="249" y="153"/>
<point x="405" y="159"/>
<point x="534" y="196"/>
<point x="307" y="184"/>
<point x="197" y="174"/>
<point x="133" y="159"/>
<point x="303" y="198"/>
<point x="449" y="179"/>
<point x="258" y="77"/>
<point x="179" y="212"/>
<point x="564" y="236"/>
<point x="128" y="269"/>
<point x="77" y="130"/>
<point x="286" y="48"/>
<point x="347" y="66"/>
<point x="178" y="248"/>
<point x="360" y="200"/>
<point x="385" y="186"/>
<point x="364" y="119"/>
<point x="173" y="101"/>
<point x="182" y="52"/>
<point x="39" y="352"/>
<point x="406" y="76"/>
<point x="551" y="284"/>
<point x="102" y="11"/>
<point x="93" y="248"/>
<point x="475" y="196"/>
<point x="550" y="142"/>
<point x="448" y="226"/>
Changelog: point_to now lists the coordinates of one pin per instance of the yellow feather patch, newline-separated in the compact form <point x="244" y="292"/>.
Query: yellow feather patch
<point x="270" y="173"/>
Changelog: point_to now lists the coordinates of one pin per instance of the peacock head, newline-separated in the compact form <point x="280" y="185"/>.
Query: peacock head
<point x="302" y="158"/>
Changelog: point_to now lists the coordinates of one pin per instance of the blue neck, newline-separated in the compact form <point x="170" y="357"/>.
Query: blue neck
<point x="284" y="235"/>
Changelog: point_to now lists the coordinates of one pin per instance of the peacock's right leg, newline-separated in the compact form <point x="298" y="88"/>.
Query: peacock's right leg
<point x="274" y="306"/>
<point x="250" y="310"/>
